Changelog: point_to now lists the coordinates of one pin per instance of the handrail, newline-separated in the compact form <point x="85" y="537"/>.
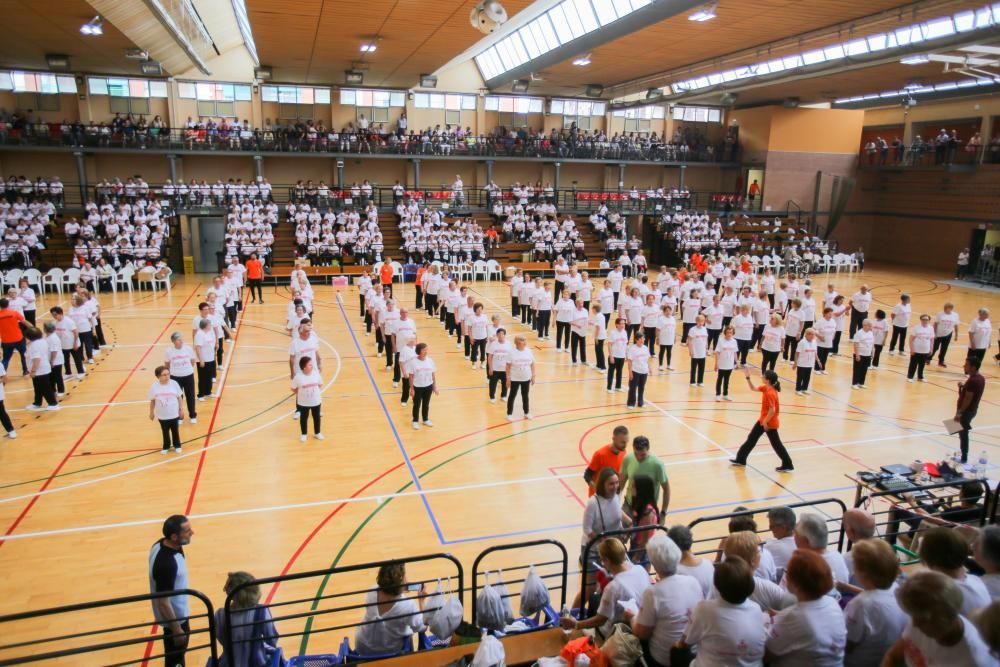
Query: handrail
<point x="588" y="547"/>
<point x="563" y="573"/>
<point x="142" y="638"/>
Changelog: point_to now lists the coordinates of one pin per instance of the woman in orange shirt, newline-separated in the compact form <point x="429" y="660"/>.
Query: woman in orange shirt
<point x="255" y="276"/>
<point x="419" y="285"/>
<point x="767" y="423"/>
<point x="385" y="274"/>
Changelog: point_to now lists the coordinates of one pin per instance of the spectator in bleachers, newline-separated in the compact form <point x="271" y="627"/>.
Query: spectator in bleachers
<point x="781" y="523"/>
<point x="873" y="617"/>
<point x="390" y="616"/>
<point x="986" y="551"/>
<point x="937" y="633"/>
<point x="728" y="629"/>
<point x="812" y="534"/>
<point x="812" y="631"/>
<point x="858" y="525"/>
<point x="746" y="545"/>
<point x="944" y="550"/>
<point x="701" y="569"/>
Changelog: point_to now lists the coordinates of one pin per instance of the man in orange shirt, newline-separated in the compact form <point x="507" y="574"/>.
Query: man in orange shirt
<point x="11" y="336"/>
<point x="608" y="456"/>
<point x="255" y="276"/>
<point x="385" y="277"/>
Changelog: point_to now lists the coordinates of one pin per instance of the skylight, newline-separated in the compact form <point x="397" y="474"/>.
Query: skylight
<point x="934" y="29"/>
<point x="922" y="90"/>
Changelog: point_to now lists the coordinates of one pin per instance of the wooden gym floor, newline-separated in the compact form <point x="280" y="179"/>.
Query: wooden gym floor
<point x="83" y="491"/>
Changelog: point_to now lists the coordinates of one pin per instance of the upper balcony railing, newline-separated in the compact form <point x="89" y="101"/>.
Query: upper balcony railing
<point x="929" y="154"/>
<point x="371" y="143"/>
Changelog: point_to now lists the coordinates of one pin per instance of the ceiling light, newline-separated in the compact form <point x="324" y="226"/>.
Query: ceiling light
<point x="369" y="48"/>
<point x="706" y="13"/>
<point x="94" y="26"/>
<point x="582" y="61"/>
<point x="919" y="59"/>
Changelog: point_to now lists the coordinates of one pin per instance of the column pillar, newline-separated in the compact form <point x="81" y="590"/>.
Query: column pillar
<point x="489" y="171"/>
<point x="621" y="176"/>
<point x="682" y="174"/>
<point x="340" y="174"/>
<point x="555" y="181"/>
<point x="416" y="174"/>
<point x="172" y="160"/>
<point x="81" y="176"/>
<point x="258" y="166"/>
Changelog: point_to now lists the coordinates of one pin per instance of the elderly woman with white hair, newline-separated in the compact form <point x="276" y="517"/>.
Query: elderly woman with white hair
<point x="667" y="605"/>
<point x="812" y="534"/>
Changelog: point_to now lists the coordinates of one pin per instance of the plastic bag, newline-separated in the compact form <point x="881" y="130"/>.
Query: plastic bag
<point x="551" y="662"/>
<point x="534" y="594"/>
<point x="490" y="653"/>
<point x="489" y="608"/>
<point x="622" y="648"/>
<point x="508" y="607"/>
<point x="433" y="603"/>
<point x="583" y="646"/>
<point x="447" y="619"/>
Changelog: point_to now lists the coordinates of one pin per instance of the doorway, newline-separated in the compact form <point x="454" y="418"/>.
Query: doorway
<point x="754" y="175"/>
<point x="209" y="243"/>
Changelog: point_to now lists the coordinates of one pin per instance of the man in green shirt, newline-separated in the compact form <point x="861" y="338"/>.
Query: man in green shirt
<point x="641" y="462"/>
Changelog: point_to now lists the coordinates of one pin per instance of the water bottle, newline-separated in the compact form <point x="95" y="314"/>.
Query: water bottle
<point x="981" y="467"/>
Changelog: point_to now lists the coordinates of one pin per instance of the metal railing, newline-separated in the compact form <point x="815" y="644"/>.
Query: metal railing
<point x="587" y="570"/>
<point x="344" y="607"/>
<point x="928" y="154"/>
<point x="358" y="143"/>
<point x="101" y="643"/>
<point x="549" y="569"/>
<point x="722" y="521"/>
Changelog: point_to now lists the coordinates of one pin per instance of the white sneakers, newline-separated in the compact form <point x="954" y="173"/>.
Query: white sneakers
<point x="12" y="435"/>
<point x="428" y="422"/>
<point x="529" y="416"/>
<point x="416" y="426"/>
<point x="303" y="438"/>
<point x="320" y="436"/>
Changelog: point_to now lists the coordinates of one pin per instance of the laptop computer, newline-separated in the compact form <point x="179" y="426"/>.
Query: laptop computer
<point x="900" y="469"/>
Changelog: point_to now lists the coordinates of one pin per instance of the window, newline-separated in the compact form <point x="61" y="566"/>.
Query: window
<point x="295" y="95"/>
<point x="209" y="91"/>
<point x="373" y="114"/>
<point x="449" y="101"/>
<point x="582" y="122"/>
<point x="37" y="101"/>
<point x="37" y="82"/>
<point x="508" y="119"/>
<point x="697" y="114"/>
<point x="514" y="104"/>
<point x="366" y="97"/>
<point x="135" y="88"/>
<point x="642" y="113"/>
<point x="577" y="107"/>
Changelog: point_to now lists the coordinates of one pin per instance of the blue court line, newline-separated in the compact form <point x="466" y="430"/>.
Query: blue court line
<point x="672" y="511"/>
<point x="399" y="441"/>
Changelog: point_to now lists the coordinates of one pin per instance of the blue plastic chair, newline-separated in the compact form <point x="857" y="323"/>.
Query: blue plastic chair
<point x="314" y="661"/>
<point x="546" y="618"/>
<point x="347" y="654"/>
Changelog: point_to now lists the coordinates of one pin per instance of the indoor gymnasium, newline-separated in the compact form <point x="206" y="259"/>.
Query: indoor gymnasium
<point x="565" y="332"/>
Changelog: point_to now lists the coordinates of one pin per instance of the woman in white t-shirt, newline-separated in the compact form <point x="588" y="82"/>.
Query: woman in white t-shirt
<point x="165" y="406"/>
<point x="698" y="349"/>
<point x="812" y="631"/>
<point x="921" y="345"/>
<point x="937" y="635"/>
<point x="407" y="353"/>
<point x="5" y="422"/>
<point x="55" y="357"/>
<point x="423" y="383"/>
<point x="307" y="385"/>
<point x="825" y="329"/>
<point x="617" y="347"/>
<point x="629" y="581"/>
<point x="565" y="308"/>
<point x="864" y="344"/>
<point x="542" y="302"/>
<point x="900" y="321"/>
<point x="666" y="334"/>
<point x="180" y="360"/>
<point x="638" y="357"/>
<point x="390" y="616"/>
<point x="730" y="628"/>
<point x="874" y="619"/>
<point x="69" y="339"/>
<point x="945" y="329"/>
<point x="726" y="353"/>
<point x="40" y="369"/>
<point x="742" y="324"/>
<point x="607" y="299"/>
<point x="771" y="340"/>
<point x="82" y="316"/>
<point x="650" y="316"/>
<point x="880" y="331"/>
<point x="793" y="330"/>
<point x="578" y="326"/>
<point x="805" y="359"/>
<point x="980" y="332"/>
<point x="600" y="325"/>
<point x="690" y="307"/>
<point x="28" y="296"/>
<point x="204" y="350"/>
<point x="497" y="354"/>
<point x="520" y="376"/>
<point x="478" y="326"/>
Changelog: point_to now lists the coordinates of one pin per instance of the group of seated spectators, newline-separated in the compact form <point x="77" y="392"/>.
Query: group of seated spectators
<point x="428" y="236"/>
<point x="326" y="236"/>
<point x="946" y="147"/>
<point x="136" y="232"/>
<point x="24" y="228"/>
<point x="20" y="187"/>
<point x="250" y="226"/>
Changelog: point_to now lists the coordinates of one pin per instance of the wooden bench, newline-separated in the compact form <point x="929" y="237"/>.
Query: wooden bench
<point x="523" y="649"/>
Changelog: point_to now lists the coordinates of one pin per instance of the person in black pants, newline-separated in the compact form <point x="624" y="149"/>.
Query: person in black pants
<point x="205" y="347"/>
<point x="167" y="572"/>
<point x="69" y="336"/>
<point x="969" y="394"/>
<point x="8" y="425"/>
<point x="423" y="383"/>
<point x="767" y="424"/>
<point x="165" y="407"/>
<point x="180" y="359"/>
<point x="900" y="322"/>
<point x="520" y="376"/>
<point x="496" y="365"/>
<point x="55" y="357"/>
<point x="864" y="343"/>
<point x="40" y="370"/>
<point x="617" y="342"/>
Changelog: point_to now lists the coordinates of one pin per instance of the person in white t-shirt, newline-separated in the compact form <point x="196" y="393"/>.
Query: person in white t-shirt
<point x="771" y="341"/>
<point x="520" y="376"/>
<point x="40" y="368"/>
<point x="825" y="330"/>
<point x="936" y="635"/>
<point x="980" y="332"/>
<point x="617" y="348"/>
<point x="726" y="353"/>
<point x="55" y="357"/>
<point x="423" y="383"/>
<point x="600" y="325"/>
<point x="900" y="321"/>
<point x="812" y="631"/>
<point x="478" y="326"/>
<point x="874" y="619"/>
<point x="307" y="385"/>
<point x="729" y="629"/>
<point x="204" y="350"/>
<point x="407" y="353"/>
<point x="180" y="360"/>
<point x="637" y="357"/>
<point x="497" y="353"/>
<point x="945" y="330"/>
<point x="69" y="338"/>
<point x="805" y="359"/>
<point x="864" y="344"/>
<point x="165" y="406"/>
<point x="921" y="345"/>
<point x="666" y="606"/>
<point x="698" y="349"/>
<point x="666" y="334"/>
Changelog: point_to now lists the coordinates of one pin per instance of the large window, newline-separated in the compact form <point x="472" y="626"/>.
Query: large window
<point x="452" y="104"/>
<point x="640" y="119"/>
<point x="37" y="82"/>
<point x="577" y="107"/>
<point x="366" y="97"/>
<point x="295" y="101"/>
<point x="215" y="99"/>
<point x="127" y="95"/>
<point x="514" y="104"/>
<point x="697" y="114"/>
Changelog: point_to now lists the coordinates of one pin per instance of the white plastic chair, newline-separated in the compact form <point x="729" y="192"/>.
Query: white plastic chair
<point x="479" y="269"/>
<point x="124" y="279"/>
<point x="377" y="268"/>
<point x="11" y="277"/>
<point x="397" y="271"/>
<point x="493" y="268"/>
<point x="70" y="279"/>
<point x="53" y="279"/>
<point x="34" y="278"/>
<point x="165" y="282"/>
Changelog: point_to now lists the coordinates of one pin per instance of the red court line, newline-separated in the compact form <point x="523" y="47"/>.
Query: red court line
<point x="569" y="489"/>
<point x="97" y="418"/>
